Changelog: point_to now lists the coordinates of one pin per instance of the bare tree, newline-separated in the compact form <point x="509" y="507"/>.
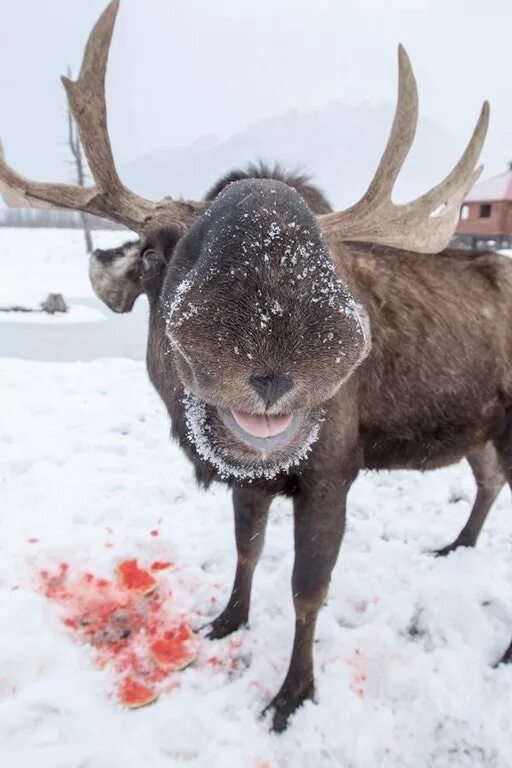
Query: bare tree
<point x="75" y="147"/>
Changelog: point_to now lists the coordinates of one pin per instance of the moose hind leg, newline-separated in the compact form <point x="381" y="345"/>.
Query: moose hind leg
<point x="251" y="506"/>
<point x="503" y="444"/>
<point x="489" y="478"/>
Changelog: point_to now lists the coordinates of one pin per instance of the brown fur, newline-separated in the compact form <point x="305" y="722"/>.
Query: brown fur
<point x="430" y="390"/>
<point x="313" y="196"/>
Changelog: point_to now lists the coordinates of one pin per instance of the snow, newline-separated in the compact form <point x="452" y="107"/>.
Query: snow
<point x="36" y="262"/>
<point x="405" y="645"/>
<point x="77" y="313"/>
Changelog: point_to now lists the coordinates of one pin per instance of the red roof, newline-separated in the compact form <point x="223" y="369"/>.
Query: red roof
<point x="497" y="188"/>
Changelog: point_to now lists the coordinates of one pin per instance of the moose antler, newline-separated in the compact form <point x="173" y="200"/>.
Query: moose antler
<point x="425" y="225"/>
<point x="108" y="197"/>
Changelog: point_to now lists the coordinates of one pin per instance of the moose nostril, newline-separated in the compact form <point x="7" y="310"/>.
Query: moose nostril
<point x="271" y="386"/>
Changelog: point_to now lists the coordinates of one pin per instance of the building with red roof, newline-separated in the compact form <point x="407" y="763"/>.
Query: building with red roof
<point x="486" y="214"/>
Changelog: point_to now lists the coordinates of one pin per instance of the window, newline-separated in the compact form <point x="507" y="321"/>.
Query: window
<point x="485" y="211"/>
<point x="464" y="212"/>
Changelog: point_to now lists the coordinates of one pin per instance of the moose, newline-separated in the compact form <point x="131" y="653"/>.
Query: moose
<point x="116" y="282"/>
<point x="294" y="347"/>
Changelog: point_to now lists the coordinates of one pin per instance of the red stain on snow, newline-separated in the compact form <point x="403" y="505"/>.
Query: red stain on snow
<point x="359" y="676"/>
<point x="130" y="625"/>
<point x="161" y="565"/>
<point x="361" y="606"/>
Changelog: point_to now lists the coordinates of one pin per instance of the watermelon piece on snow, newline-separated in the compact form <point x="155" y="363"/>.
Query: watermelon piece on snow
<point x="133" y="694"/>
<point x="133" y="577"/>
<point x="174" y="650"/>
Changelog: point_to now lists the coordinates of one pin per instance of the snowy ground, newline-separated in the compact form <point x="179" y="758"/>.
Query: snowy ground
<point x="405" y="644"/>
<point x="36" y="262"/>
<point x="77" y="313"/>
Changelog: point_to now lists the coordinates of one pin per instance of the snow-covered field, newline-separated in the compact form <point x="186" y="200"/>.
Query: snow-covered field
<point x="405" y="645"/>
<point x="76" y="313"/>
<point x="36" y="262"/>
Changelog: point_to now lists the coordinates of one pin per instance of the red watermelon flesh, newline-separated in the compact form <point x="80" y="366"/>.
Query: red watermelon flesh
<point x="133" y="577"/>
<point x="131" y="626"/>
<point x="133" y="694"/>
<point x="174" y="650"/>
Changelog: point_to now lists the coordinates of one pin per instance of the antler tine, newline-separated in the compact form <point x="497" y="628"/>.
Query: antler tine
<point x="17" y="191"/>
<point x="401" y="137"/>
<point x="87" y="101"/>
<point x="419" y="225"/>
<point x="462" y="176"/>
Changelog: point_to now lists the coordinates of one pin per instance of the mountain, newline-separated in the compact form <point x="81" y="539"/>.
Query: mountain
<point x="339" y="146"/>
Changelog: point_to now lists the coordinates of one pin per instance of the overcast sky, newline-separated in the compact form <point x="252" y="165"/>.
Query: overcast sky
<point x="182" y="70"/>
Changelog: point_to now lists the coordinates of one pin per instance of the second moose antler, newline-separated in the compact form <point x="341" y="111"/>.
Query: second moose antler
<point x="425" y="225"/>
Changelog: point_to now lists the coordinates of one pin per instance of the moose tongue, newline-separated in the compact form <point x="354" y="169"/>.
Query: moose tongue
<point x="262" y="426"/>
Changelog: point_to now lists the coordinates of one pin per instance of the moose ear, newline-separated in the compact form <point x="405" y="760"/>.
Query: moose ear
<point x="115" y="275"/>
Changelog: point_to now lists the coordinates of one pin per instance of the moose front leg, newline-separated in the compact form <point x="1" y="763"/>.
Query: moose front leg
<point x="319" y="518"/>
<point x="251" y="513"/>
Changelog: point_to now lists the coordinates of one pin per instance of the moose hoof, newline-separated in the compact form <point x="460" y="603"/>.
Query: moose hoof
<point x="443" y="551"/>
<point x="226" y="623"/>
<point x="286" y="703"/>
<point x="451" y="548"/>
<point x="506" y="658"/>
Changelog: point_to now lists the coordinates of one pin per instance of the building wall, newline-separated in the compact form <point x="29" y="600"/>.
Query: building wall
<point x="508" y="224"/>
<point x="481" y="242"/>
<point x="499" y="222"/>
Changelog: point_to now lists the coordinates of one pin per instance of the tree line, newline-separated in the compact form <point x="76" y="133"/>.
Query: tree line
<point x="39" y="218"/>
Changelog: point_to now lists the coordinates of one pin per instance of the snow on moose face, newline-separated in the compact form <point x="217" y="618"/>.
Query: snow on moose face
<point x="262" y="330"/>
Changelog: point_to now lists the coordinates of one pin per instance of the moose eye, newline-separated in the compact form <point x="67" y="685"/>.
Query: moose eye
<point x="149" y="259"/>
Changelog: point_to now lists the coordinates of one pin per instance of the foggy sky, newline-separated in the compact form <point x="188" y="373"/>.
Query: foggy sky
<point x="180" y="71"/>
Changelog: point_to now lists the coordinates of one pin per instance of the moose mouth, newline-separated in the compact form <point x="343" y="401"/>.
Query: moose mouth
<point x="261" y="446"/>
<point x="265" y="432"/>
